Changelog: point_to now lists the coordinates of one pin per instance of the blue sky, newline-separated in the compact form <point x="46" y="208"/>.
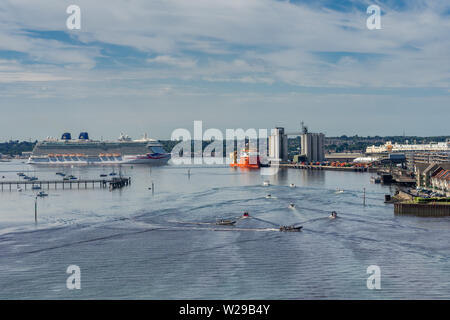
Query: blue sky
<point x="153" y="66"/>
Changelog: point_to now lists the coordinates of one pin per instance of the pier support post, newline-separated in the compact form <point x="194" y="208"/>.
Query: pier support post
<point x="364" y="197"/>
<point x="35" y="210"/>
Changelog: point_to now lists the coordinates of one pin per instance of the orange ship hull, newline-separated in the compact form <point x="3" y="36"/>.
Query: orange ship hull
<point x="244" y="162"/>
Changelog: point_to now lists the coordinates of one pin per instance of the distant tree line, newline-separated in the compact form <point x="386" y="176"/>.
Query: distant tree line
<point x="16" y="147"/>
<point x="332" y="144"/>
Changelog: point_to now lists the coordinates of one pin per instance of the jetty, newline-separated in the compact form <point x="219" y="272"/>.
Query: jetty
<point x="325" y="167"/>
<point x="397" y="176"/>
<point x="114" y="183"/>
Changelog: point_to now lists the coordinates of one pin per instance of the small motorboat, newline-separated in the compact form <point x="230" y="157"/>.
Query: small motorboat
<point x="113" y="174"/>
<point x="35" y="187"/>
<point x="375" y="179"/>
<point x="245" y="215"/>
<point x="269" y="196"/>
<point x="42" y="194"/>
<point x="338" y="191"/>
<point x="291" y="206"/>
<point x="103" y="175"/>
<point x="21" y="174"/>
<point x="266" y="183"/>
<point x="292" y="185"/>
<point x="333" y="215"/>
<point x="19" y="189"/>
<point x="33" y="179"/>
<point x="223" y="222"/>
<point x="60" y="174"/>
<point x="290" y="228"/>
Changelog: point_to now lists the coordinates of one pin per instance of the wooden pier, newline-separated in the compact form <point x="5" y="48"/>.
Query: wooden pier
<point x="113" y="183"/>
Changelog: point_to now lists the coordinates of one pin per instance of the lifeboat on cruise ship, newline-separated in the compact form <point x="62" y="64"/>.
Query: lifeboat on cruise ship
<point x="247" y="159"/>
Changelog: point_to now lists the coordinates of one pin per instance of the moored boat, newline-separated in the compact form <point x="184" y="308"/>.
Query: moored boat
<point x="223" y="222"/>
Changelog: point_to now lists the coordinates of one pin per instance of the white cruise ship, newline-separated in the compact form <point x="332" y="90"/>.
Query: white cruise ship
<point x="84" y="151"/>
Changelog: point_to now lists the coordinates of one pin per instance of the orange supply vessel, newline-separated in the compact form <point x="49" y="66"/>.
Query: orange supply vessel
<point x="247" y="159"/>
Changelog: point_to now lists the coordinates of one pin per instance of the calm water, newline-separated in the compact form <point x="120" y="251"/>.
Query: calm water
<point x="131" y="244"/>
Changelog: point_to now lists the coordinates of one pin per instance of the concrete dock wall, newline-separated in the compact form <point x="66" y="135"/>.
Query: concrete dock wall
<point x="422" y="210"/>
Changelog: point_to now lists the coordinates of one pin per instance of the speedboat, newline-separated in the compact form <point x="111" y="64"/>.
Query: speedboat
<point x="223" y="222"/>
<point x="290" y="228"/>
<point x="245" y="215"/>
<point x="291" y="206"/>
<point x="333" y="215"/>
<point x="269" y="196"/>
<point x="339" y="191"/>
<point x="292" y="185"/>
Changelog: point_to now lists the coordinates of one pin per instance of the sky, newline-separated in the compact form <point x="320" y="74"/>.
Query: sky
<point x="154" y="66"/>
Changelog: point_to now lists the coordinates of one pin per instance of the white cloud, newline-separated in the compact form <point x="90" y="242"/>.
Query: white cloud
<point x="271" y="39"/>
<point x="189" y="48"/>
<point x="172" y="61"/>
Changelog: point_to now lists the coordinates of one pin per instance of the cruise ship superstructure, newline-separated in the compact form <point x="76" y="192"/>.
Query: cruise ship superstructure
<point x="84" y="151"/>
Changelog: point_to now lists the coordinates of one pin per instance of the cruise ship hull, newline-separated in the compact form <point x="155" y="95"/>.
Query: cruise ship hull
<point x="148" y="159"/>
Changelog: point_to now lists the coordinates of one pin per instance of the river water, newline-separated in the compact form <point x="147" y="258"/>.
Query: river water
<point x="137" y="244"/>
